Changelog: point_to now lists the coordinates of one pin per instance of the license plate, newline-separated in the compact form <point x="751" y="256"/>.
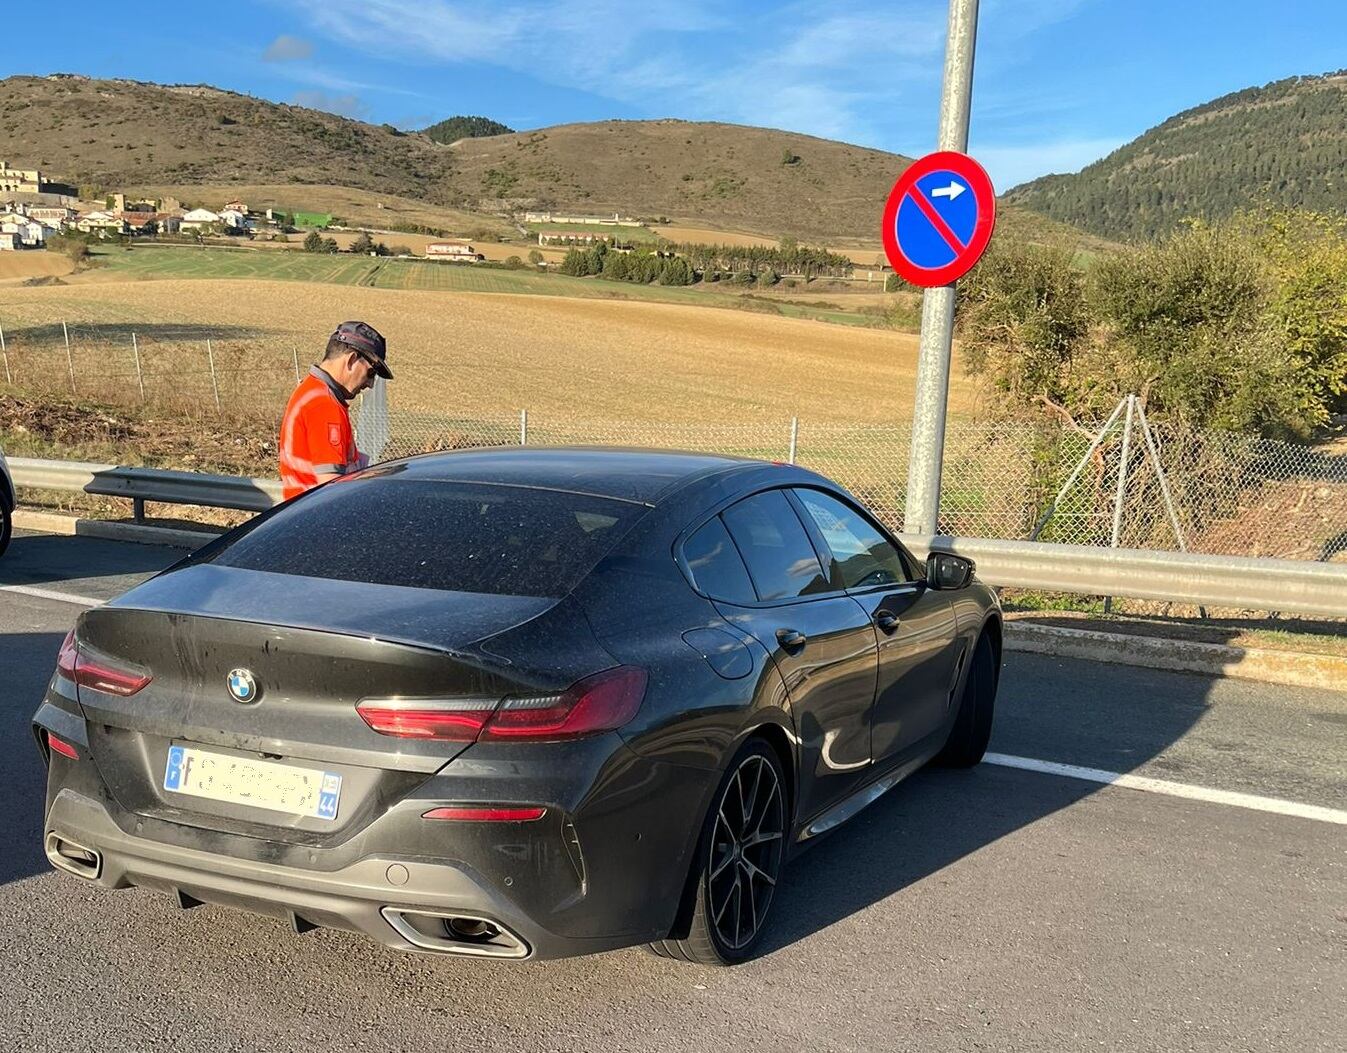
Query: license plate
<point x="259" y="783"/>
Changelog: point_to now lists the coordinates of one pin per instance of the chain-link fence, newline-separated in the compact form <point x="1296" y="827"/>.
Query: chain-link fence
<point x="178" y="367"/>
<point x="1227" y="494"/>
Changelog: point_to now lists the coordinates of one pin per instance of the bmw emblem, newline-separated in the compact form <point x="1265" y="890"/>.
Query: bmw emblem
<point x="242" y="686"/>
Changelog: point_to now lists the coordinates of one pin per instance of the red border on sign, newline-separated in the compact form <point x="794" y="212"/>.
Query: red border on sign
<point x="979" y="183"/>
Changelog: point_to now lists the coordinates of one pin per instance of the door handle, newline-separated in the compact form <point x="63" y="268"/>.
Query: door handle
<point x="886" y="620"/>
<point x="791" y="639"/>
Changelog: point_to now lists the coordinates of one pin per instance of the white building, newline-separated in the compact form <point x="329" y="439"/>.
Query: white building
<point x="233" y="217"/>
<point x="101" y="223"/>
<point x="54" y="217"/>
<point x="30" y="232"/>
<point x="454" y="250"/>
<point x="201" y="219"/>
<point x="10" y="242"/>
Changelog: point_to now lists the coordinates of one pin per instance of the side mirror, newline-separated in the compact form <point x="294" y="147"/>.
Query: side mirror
<point x="947" y="571"/>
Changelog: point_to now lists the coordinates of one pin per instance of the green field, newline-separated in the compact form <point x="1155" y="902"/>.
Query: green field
<point x="281" y="265"/>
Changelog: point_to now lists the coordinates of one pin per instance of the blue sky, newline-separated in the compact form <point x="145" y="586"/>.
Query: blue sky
<point x="1059" y="83"/>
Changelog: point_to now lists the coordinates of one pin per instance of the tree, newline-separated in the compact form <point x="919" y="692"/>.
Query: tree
<point x="401" y="250"/>
<point x="514" y="263"/>
<point x="1023" y="324"/>
<point x="574" y="264"/>
<point x="363" y="245"/>
<point x="768" y="278"/>
<point x="535" y="257"/>
<point x="330" y="246"/>
<point x="615" y="267"/>
<point x="313" y="242"/>
<point x="676" y="272"/>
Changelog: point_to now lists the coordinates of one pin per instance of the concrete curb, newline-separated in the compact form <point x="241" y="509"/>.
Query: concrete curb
<point x="1293" y="668"/>
<point x="139" y="533"/>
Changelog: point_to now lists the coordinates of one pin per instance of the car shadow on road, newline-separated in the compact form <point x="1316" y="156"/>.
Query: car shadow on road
<point x="1116" y="718"/>
<point x="26" y="663"/>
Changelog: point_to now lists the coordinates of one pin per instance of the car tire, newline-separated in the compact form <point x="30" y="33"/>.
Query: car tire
<point x="6" y="525"/>
<point x="738" y="862"/>
<point x="973" y="722"/>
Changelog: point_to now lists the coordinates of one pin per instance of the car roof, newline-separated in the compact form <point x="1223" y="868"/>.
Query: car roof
<point x="628" y="474"/>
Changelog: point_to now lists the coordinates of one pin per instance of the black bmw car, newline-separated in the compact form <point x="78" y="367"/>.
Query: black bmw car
<point x="521" y="703"/>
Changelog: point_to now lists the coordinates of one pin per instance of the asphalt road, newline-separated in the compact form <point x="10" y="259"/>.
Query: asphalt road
<point x="995" y="909"/>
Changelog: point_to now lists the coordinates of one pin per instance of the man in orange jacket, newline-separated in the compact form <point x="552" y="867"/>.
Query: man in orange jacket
<point x="317" y="440"/>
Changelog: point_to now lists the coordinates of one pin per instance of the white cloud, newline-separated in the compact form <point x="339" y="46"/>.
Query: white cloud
<point x="1011" y="165"/>
<point x="343" y="105"/>
<point x="287" y="49"/>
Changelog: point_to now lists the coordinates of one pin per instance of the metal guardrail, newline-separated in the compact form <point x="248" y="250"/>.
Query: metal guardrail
<point x="1290" y="586"/>
<point x="1215" y="581"/>
<point x="147" y="484"/>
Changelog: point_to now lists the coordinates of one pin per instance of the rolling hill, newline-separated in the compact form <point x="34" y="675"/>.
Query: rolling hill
<point x="1285" y="143"/>
<point x="105" y="135"/>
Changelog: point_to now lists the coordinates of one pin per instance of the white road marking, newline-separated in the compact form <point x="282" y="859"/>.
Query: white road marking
<point x="1275" y="805"/>
<point x="51" y="594"/>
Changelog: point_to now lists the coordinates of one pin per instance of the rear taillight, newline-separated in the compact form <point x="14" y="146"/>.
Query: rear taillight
<point x="98" y="674"/>
<point x="601" y="702"/>
<point x="449" y="719"/>
<point x="62" y="747"/>
<point x="598" y="703"/>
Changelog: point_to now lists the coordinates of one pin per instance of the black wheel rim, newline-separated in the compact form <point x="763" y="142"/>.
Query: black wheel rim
<point x="746" y="845"/>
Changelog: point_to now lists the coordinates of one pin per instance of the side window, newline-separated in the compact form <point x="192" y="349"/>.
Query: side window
<point x="864" y="557"/>
<point x="781" y="558"/>
<point x="716" y="567"/>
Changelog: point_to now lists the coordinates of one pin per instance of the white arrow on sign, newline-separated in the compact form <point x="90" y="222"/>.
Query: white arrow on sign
<point x="952" y="191"/>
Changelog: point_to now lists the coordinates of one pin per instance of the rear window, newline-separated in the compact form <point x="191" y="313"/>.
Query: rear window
<point x="425" y="534"/>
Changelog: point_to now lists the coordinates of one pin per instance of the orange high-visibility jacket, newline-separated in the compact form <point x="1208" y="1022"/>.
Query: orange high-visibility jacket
<point x="316" y="434"/>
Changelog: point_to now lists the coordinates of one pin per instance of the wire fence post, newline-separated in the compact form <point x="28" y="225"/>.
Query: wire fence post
<point x="294" y="352"/>
<point x="1122" y="487"/>
<point x="214" y="383"/>
<point x="523" y="427"/>
<point x="794" y="438"/>
<point x="69" y="358"/>
<point x="4" y="353"/>
<point x="140" y="377"/>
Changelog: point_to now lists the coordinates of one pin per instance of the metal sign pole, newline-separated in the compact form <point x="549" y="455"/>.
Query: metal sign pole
<point x="922" y="507"/>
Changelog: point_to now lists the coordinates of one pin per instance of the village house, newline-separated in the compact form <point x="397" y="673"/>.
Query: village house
<point x="454" y="250"/>
<point x="235" y="219"/>
<point x="10" y="242"/>
<point x="31" y="233"/>
<point x="100" y="222"/>
<point x="571" y="237"/>
<point x="201" y="219"/>
<point x="19" y="180"/>
<point x="53" y="217"/>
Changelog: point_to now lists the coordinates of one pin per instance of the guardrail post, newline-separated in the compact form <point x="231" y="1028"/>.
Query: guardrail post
<point x="4" y="353"/>
<point x="138" y="509"/>
<point x="140" y="377"/>
<point x="794" y="437"/>
<point x="215" y="384"/>
<point x="523" y="427"/>
<point x="69" y="358"/>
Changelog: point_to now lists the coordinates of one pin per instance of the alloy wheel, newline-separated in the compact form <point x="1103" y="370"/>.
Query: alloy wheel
<point x="746" y="849"/>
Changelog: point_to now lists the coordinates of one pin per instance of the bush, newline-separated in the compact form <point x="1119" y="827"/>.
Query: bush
<point x="894" y="283"/>
<point x="401" y="250"/>
<point x="768" y="278"/>
<point x="535" y="257"/>
<point x="514" y="263"/>
<point x="76" y="248"/>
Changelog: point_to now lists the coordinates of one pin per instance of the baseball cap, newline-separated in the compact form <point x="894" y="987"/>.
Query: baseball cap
<point x="368" y="342"/>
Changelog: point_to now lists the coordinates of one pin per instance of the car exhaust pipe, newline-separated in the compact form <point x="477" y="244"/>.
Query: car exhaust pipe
<point x="455" y="933"/>
<point x="73" y="858"/>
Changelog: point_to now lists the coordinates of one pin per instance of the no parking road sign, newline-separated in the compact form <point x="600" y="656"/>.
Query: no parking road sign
<point x="939" y="218"/>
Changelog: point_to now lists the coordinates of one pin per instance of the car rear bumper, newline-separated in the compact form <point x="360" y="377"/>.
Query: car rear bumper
<point x="604" y="868"/>
<point x="395" y="902"/>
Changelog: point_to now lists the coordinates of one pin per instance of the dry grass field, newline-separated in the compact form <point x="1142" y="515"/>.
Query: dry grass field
<point x="20" y="266"/>
<point x="480" y="355"/>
